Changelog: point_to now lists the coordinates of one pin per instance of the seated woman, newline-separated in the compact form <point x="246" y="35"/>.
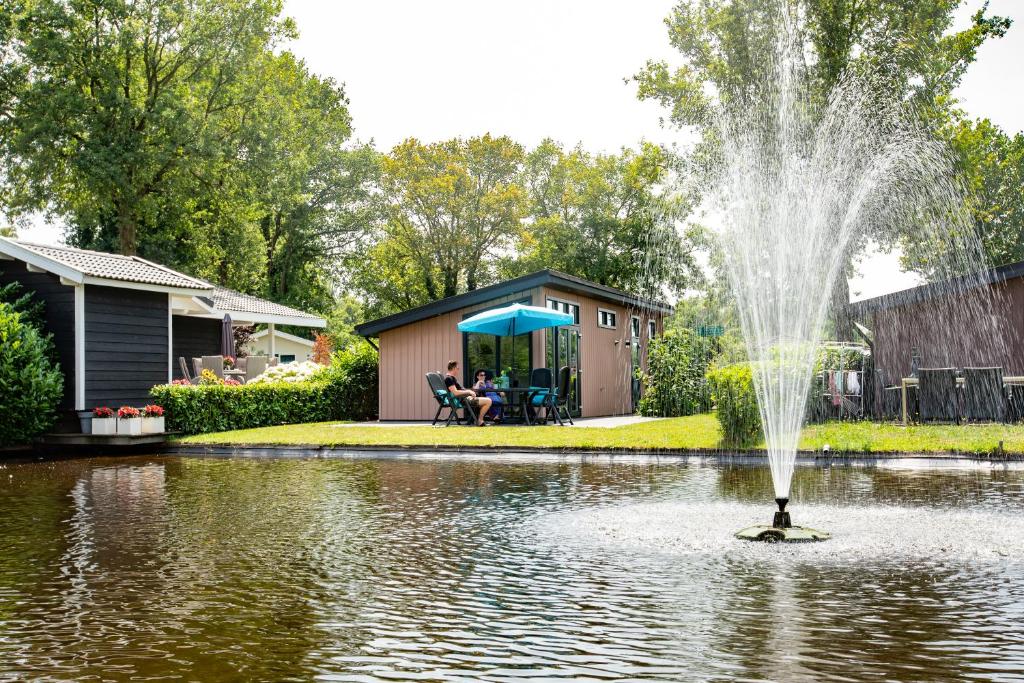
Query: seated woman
<point x="484" y="386"/>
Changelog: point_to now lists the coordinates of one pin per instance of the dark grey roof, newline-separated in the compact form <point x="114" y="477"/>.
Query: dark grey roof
<point x="228" y="300"/>
<point x="115" y="266"/>
<point x="542" y="278"/>
<point x="935" y="290"/>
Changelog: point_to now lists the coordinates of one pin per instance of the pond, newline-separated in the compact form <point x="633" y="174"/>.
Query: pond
<point x="449" y="568"/>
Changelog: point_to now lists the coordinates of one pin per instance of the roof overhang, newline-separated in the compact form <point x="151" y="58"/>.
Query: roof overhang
<point x="937" y="290"/>
<point x="244" y="318"/>
<point x="73" y="277"/>
<point x="543" y="278"/>
<point x="284" y="335"/>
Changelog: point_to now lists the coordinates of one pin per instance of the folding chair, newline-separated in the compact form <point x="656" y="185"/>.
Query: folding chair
<point x="446" y="399"/>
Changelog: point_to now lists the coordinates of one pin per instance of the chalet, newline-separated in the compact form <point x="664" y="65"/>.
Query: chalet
<point x="120" y="323"/>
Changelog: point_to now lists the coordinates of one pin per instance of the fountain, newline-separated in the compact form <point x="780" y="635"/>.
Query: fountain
<point x="798" y="187"/>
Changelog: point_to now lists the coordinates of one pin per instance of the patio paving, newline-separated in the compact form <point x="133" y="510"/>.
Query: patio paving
<point x="602" y="422"/>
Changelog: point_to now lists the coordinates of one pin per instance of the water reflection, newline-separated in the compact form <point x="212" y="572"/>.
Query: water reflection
<point x="363" y="569"/>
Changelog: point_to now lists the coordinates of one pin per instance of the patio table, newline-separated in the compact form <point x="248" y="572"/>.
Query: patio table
<point x="518" y="396"/>
<point x="237" y="374"/>
<point x="1008" y="380"/>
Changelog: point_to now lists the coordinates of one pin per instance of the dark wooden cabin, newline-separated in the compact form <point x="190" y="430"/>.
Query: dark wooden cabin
<point x="120" y="323"/>
<point x="977" y="321"/>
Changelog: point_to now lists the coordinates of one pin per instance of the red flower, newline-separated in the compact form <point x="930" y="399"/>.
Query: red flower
<point x="153" y="411"/>
<point x="102" y="412"/>
<point x="126" y="412"/>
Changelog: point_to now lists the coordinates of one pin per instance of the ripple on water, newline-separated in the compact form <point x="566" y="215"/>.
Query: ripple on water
<point x="882" y="532"/>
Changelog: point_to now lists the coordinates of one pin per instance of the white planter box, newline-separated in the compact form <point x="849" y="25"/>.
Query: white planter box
<point x="153" y="425"/>
<point x="104" y="425"/>
<point x="129" y="426"/>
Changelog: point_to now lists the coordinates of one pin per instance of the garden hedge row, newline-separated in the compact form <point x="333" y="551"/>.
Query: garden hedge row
<point x="346" y="390"/>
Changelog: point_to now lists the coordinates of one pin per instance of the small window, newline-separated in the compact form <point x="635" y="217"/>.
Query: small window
<point x="606" y="318"/>
<point x="566" y="307"/>
<point x="287" y="357"/>
<point x="652" y="329"/>
<point x="634" y="327"/>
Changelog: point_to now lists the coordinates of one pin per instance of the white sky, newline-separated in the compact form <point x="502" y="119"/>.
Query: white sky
<point x="550" y="68"/>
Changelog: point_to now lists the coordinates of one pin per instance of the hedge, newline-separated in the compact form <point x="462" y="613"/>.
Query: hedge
<point x="31" y="384"/>
<point x="346" y="390"/>
<point x="732" y="388"/>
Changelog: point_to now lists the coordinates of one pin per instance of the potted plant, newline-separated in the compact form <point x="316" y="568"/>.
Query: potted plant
<point x="103" y="421"/>
<point x="129" y="421"/>
<point x="229" y="362"/>
<point x="152" y="420"/>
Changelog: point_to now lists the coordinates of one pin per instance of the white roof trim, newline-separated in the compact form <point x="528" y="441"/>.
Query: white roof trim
<point x="144" y="286"/>
<point x="284" y="335"/>
<point x="39" y="261"/>
<point x="243" y="318"/>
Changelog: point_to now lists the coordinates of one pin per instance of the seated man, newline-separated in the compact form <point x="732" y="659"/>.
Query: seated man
<point x="481" y="404"/>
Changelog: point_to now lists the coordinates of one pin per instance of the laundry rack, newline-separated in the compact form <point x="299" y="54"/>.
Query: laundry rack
<point x="840" y="380"/>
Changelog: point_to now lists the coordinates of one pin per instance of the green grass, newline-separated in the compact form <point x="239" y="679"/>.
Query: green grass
<point x="694" y="432"/>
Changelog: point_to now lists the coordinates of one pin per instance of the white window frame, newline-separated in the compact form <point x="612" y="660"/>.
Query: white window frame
<point x="634" y="324"/>
<point x="652" y="329"/>
<point x="614" y="316"/>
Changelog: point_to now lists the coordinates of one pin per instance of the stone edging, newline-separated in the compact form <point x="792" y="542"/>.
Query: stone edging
<point x="750" y="455"/>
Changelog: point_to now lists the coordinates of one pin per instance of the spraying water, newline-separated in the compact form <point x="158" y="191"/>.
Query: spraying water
<point x="799" y="187"/>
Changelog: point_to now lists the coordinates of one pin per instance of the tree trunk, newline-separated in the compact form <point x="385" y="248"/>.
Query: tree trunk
<point x="127" y="230"/>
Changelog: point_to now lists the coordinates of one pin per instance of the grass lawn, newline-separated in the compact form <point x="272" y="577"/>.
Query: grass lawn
<point x="682" y="433"/>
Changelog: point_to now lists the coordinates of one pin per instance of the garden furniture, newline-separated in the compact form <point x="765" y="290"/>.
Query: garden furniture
<point x="235" y="374"/>
<point x="561" y="402"/>
<point x="542" y="392"/>
<point x="183" y="366"/>
<point x="254" y="367"/>
<point x="446" y="399"/>
<point x="937" y="395"/>
<point x="214" y="364"/>
<point x="1012" y="382"/>
<point x="984" y="394"/>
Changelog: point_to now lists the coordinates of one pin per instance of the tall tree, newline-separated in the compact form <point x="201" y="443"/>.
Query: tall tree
<point x="116" y="102"/>
<point x="991" y="165"/>
<point x="451" y="208"/>
<point x="728" y="50"/>
<point x="604" y="217"/>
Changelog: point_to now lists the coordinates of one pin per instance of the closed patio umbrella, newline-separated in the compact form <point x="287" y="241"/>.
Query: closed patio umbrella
<point x="227" y="337"/>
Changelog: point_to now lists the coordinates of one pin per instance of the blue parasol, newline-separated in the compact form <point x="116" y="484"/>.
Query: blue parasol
<point x="509" y="321"/>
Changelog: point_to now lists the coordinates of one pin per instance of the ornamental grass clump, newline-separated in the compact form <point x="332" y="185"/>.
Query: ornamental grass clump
<point x="30" y="383"/>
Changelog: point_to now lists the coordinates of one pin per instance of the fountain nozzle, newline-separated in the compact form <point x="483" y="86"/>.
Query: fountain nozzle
<point x="781" y="520"/>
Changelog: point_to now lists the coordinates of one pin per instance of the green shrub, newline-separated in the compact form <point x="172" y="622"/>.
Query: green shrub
<point x="30" y="383"/>
<point x="347" y="390"/>
<point x="352" y="381"/>
<point x="675" y="382"/>
<point x="732" y="388"/>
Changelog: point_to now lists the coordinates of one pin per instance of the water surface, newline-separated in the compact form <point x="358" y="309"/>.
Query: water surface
<point x="453" y="569"/>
